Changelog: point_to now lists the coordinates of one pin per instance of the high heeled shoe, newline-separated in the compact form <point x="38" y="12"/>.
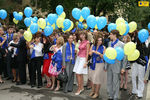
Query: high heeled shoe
<point x="52" y="88"/>
<point x="91" y="94"/>
<point x="95" y="96"/>
<point x="78" y="93"/>
<point x="57" y="88"/>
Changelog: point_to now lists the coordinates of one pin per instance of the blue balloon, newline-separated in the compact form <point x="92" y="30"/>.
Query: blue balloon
<point x="149" y="26"/>
<point x="127" y="29"/>
<point x="80" y="25"/>
<point x="34" y="28"/>
<point x="120" y="53"/>
<point x="18" y="17"/>
<point x="34" y="20"/>
<point x="27" y="21"/>
<point x="108" y="60"/>
<point x="76" y="13"/>
<point x="111" y="26"/>
<point x="48" y="30"/>
<point x="91" y="30"/>
<point x="91" y="21"/>
<point x="143" y="35"/>
<point x="52" y="18"/>
<point x="59" y="9"/>
<point x="85" y="12"/>
<point x="67" y="24"/>
<point x="101" y="22"/>
<point x="46" y="20"/>
<point x="14" y="13"/>
<point x="28" y="11"/>
<point x="3" y="14"/>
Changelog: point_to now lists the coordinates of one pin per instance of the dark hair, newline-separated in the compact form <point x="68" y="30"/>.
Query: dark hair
<point x="21" y="31"/>
<point x="115" y="32"/>
<point x="84" y="32"/>
<point x="37" y="35"/>
<point x="96" y="39"/>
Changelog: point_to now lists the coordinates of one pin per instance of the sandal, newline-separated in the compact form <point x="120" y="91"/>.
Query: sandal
<point x="57" y="88"/>
<point x="91" y="94"/>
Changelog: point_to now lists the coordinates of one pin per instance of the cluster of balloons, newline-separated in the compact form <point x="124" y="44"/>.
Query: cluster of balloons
<point x="3" y="14"/>
<point x="122" y="26"/>
<point x="92" y="21"/>
<point x="17" y="17"/>
<point x="65" y="24"/>
<point x="113" y="54"/>
<point x="131" y="51"/>
<point x="48" y="24"/>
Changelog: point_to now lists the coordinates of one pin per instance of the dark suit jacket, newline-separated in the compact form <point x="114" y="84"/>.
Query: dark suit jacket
<point x="22" y="50"/>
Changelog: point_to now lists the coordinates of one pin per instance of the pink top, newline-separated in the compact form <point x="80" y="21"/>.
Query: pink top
<point x="83" y="48"/>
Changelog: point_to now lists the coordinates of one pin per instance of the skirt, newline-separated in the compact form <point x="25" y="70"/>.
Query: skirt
<point x="79" y="66"/>
<point x="46" y="65"/>
<point x="14" y="64"/>
<point x="53" y="70"/>
<point x="98" y="76"/>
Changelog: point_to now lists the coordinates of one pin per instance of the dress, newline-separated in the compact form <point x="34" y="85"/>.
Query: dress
<point x="56" y="62"/>
<point x="81" y="59"/>
<point x="46" y="64"/>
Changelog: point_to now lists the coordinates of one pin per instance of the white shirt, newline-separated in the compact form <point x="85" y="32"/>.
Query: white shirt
<point x="38" y="50"/>
<point x="10" y="47"/>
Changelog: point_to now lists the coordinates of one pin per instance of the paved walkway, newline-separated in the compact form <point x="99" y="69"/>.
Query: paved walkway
<point x="9" y="91"/>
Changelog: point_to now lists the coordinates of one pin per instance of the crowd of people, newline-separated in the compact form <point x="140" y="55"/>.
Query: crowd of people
<point x="63" y="57"/>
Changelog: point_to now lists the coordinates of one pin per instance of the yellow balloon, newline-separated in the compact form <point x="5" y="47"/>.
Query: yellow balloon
<point x="59" y="22"/>
<point x="27" y="36"/>
<point x="15" y="21"/>
<point x="81" y="19"/>
<point x="71" y="27"/>
<point x="53" y="25"/>
<point x="42" y="23"/>
<point x="129" y="48"/>
<point x="96" y="26"/>
<point x="134" y="56"/>
<point x="120" y="20"/>
<point x="121" y="27"/>
<point x="63" y="15"/>
<point x="21" y="13"/>
<point x="77" y="23"/>
<point x="111" y="53"/>
<point x="132" y="26"/>
<point x="85" y="26"/>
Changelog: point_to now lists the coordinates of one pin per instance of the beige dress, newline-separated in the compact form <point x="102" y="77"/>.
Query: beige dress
<point x="98" y="76"/>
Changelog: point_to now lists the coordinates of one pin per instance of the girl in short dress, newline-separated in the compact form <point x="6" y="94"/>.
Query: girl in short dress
<point x="47" y="59"/>
<point x="56" y="63"/>
<point x="80" y="67"/>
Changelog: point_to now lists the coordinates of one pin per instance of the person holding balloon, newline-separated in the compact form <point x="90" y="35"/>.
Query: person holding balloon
<point x="36" y="60"/>
<point x="114" y="67"/>
<point x="80" y="67"/>
<point x="56" y="63"/>
<point x="2" y="52"/>
<point x="47" y="41"/>
<point x="96" y="73"/>
<point x="138" y="69"/>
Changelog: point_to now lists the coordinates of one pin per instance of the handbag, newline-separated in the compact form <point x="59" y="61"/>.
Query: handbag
<point x="62" y="76"/>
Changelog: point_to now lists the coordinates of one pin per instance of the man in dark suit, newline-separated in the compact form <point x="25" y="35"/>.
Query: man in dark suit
<point x="21" y="57"/>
